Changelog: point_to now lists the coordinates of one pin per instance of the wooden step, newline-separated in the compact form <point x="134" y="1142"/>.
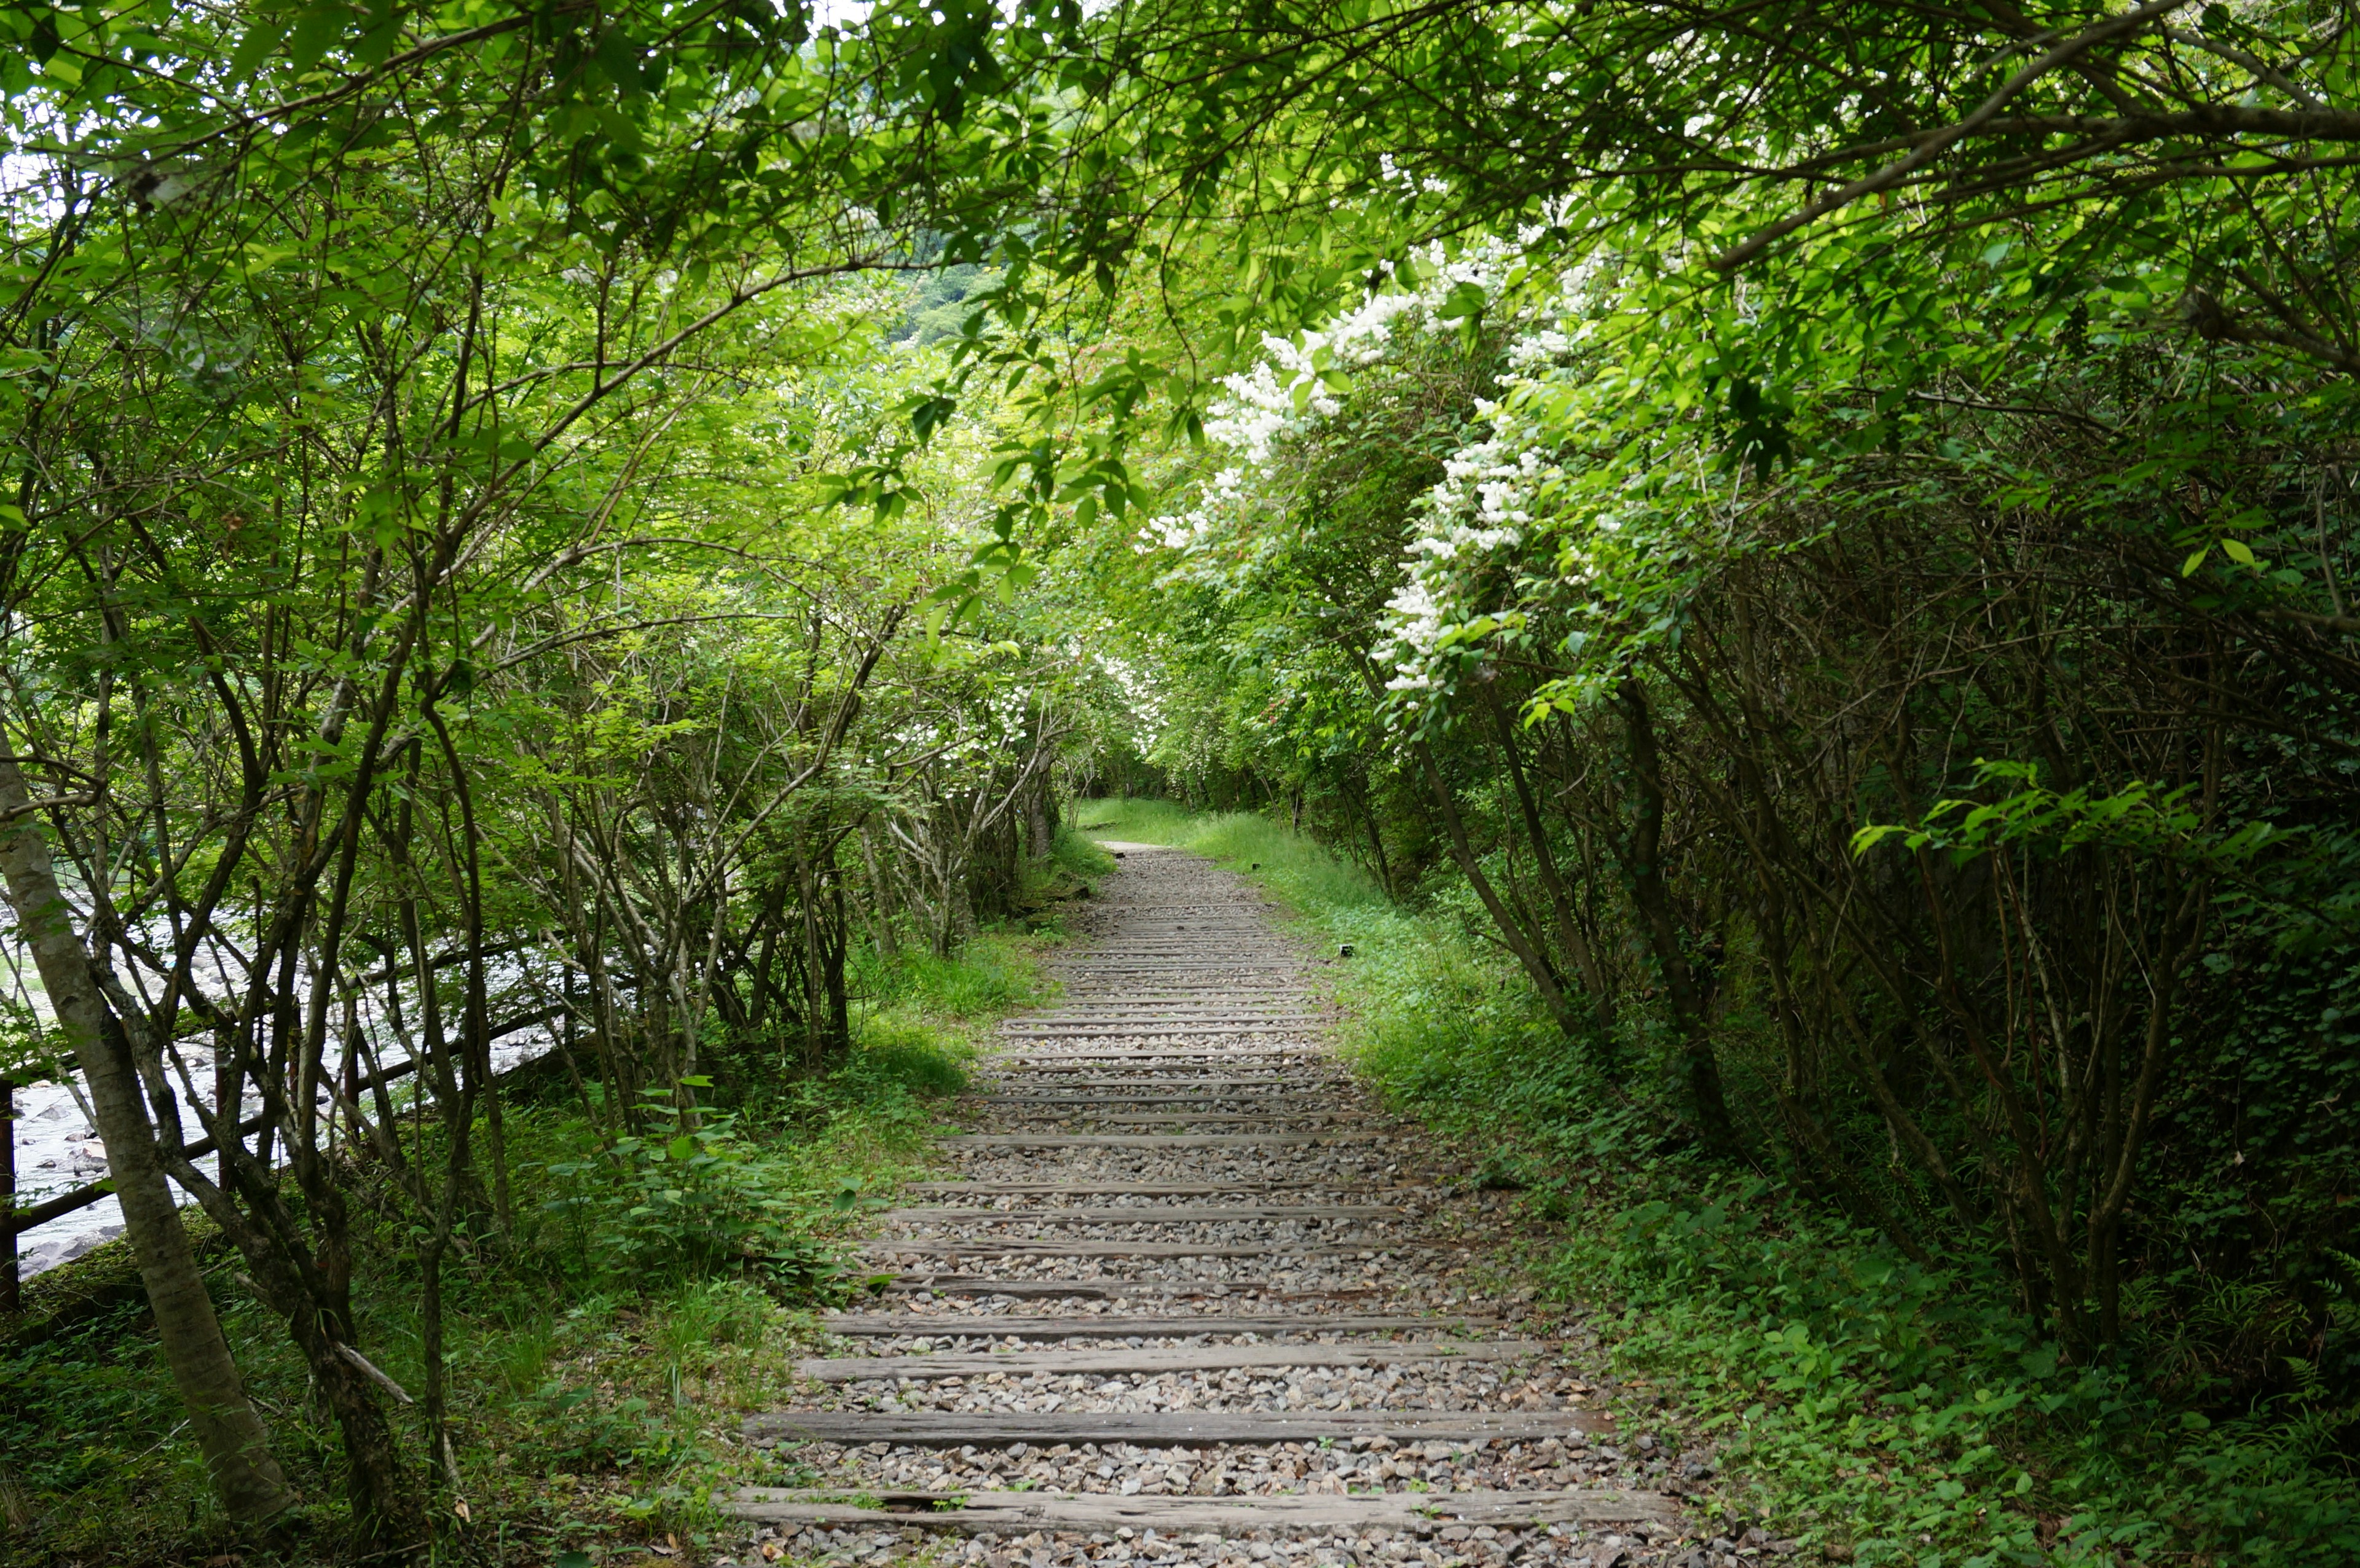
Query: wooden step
<point x="1273" y="1055"/>
<point x="1292" y="1083"/>
<point x="1197" y="1118"/>
<point x="1168" y="1428"/>
<point x="1153" y="1360"/>
<point x="889" y="1247"/>
<point x="1113" y="1325"/>
<point x="1155" y="1141"/>
<point x="1231" y="992"/>
<point x="1196" y="1214"/>
<point x="942" y="1283"/>
<point x="1164" y="1088"/>
<point x="1273" y="1012"/>
<point x="1148" y="1031"/>
<point x="1016" y="1513"/>
<point x="1039" y="1053"/>
<point x="1262" y="1096"/>
<point x="1152" y="1188"/>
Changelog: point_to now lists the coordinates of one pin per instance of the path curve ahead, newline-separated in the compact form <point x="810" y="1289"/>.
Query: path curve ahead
<point x="1193" y="1298"/>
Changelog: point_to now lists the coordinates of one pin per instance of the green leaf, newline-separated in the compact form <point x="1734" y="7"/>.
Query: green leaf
<point x="260" y="41"/>
<point x="2238" y="550"/>
<point x="1869" y="837"/>
<point x="316" y="27"/>
<point x="1464" y="302"/>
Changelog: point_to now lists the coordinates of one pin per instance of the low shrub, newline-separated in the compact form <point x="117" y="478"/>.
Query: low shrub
<point x="1884" y="1411"/>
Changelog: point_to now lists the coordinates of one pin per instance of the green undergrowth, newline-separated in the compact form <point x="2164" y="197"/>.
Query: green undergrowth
<point x="1883" y="1411"/>
<point x="653" y="1290"/>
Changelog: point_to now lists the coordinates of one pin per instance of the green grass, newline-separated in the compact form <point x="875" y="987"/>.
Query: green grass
<point x="1311" y="878"/>
<point x="1885" y="1413"/>
<point x="600" y="1361"/>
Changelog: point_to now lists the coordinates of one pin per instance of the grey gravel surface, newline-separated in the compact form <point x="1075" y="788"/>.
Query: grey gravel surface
<point x="1176" y="939"/>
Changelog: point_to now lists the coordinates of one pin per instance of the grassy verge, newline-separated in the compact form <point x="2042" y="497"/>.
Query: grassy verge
<point x="1881" y="1412"/>
<point x="600" y="1357"/>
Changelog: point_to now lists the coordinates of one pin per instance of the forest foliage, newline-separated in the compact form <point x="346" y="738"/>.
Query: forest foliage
<point x="1822" y="530"/>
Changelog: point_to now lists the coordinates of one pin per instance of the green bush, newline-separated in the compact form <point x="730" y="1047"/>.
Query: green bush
<point x="1886" y="1411"/>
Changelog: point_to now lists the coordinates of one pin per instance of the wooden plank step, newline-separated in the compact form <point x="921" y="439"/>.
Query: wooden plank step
<point x="1115" y="1325"/>
<point x="1197" y="1070"/>
<point x="1218" y="1052"/>
<point x="1128" y="1030"/>
<point x="1046" y="1064"/>
<point x="1153" y="1360"/>
<point x="1136" y="1213"/>
<point x="1273" y="1012"/>
<point x="1066" y="1083"/>
<point x="1181" y="961"/>
<point x="1308" y="1075"/>
<point x="1268" y="1092"/>
<point x="1194" y="1118"/>
<point x="1175" y="947"/>
<point x="888" y="1246"/>
<point x="922" y="1281"/>
<point x="1147" y="1189"/>
<point x="1161" y="1018"/>
<point x="1227" y="993"/>
<point x="1152" y="1140"/>
<point x="1288" y="1102"/>
<point x="1167" y="1429"/>
<point x="1256" y="1013"/>
<point x="1248" y="1063"/>
<point x="1223" y="941"/>
<point x="1015" y="1513"/>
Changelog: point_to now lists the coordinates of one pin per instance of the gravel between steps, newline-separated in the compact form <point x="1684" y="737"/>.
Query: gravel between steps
<point x="1442" y="1257"/>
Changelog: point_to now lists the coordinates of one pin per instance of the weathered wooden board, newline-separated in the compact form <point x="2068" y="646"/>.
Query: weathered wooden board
<point x="1168" y="1428"/>
<point x="942" y="1283"/>
<point x="1154" y="1360"/>
<point x="1141" y="1189"/>
<point x="1270" y="1012"/>
<point x="1152" y="1140"/>
<point x="888" y="1246"/>
<point x="1278" y="1102"/>
<point x="1291" y="1082"/>
<point x="1139" y="1213"/>
<point x="1115" y="1325"/>
<point x="1037" y="1052"/>
<point x="1011" y="1513"/>
<point x="1199" y="1118"/>
<point x="1151" y="1031"/>
<point x="1256" y="1053"/>
<point x="1024" y="1089"/>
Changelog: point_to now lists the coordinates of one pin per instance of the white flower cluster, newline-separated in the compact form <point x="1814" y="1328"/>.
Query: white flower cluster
<point x="1482" y="507"/>
<point x="1466" y="570"/>
<point x="1293" y="390"/>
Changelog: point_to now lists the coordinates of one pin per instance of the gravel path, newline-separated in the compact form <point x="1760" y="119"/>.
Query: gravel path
<point x="1228" y="1236"/>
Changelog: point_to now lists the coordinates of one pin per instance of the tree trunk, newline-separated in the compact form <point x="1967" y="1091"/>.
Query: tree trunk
<point x="1036" y="823"/>
<point x="1577" y="941"/>
<point x="1512" y="932"/>
<point x="1642" y="861"/>
<point x="236" y="1448"/>
<point x="881" y="893"/>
